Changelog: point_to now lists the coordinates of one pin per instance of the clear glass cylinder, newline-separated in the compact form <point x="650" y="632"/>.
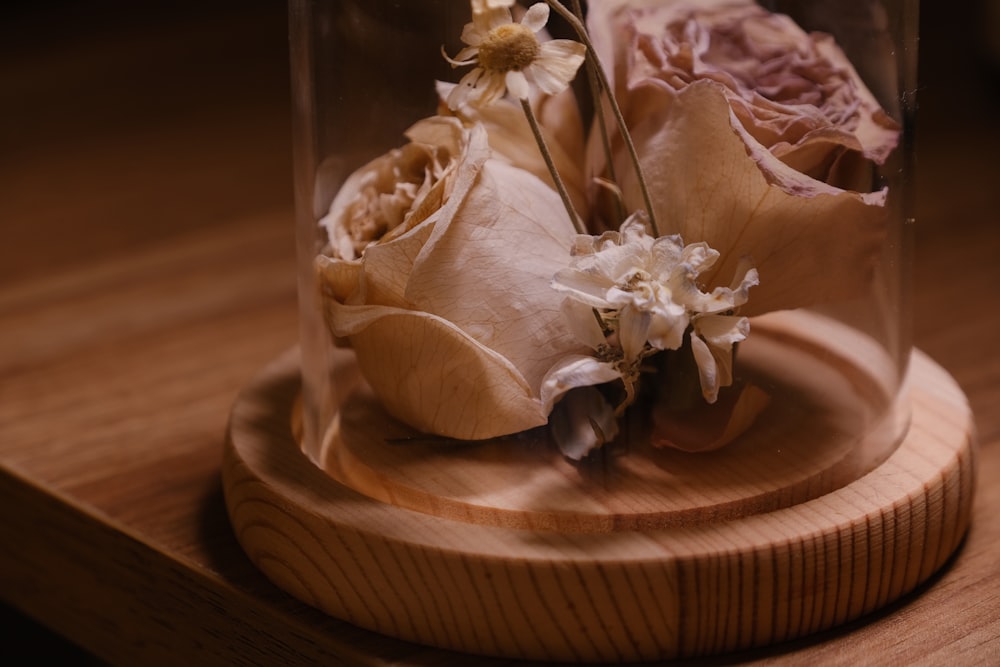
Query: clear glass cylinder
<point x="492" y="278"/>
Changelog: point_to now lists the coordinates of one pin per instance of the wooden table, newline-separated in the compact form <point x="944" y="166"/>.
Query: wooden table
<point x="147" y="272"/>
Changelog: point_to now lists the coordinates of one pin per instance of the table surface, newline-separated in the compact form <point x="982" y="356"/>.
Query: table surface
<point x="147" y="272"/>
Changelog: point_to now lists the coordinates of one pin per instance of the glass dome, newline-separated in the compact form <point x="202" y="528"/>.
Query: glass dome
<point x="669" y="287"/>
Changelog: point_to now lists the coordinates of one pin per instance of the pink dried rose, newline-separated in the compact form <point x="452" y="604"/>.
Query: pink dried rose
<point x="794" y="92"/>
<point x="734" y="111"/>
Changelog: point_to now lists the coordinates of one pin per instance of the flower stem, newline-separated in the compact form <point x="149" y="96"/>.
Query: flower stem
<point x="595" y="91"/>
<point x="581" y="30"/>
<point x="547" y="156"/>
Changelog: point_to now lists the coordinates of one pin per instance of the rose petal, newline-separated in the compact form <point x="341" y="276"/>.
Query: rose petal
<point x="488" y="268"/>
<point x="431" y="375"/>
<point x="511" y="138"/>
<point x="812" y="243"/>
<point x="794" y="92"/>
<point x="453" y="320"/>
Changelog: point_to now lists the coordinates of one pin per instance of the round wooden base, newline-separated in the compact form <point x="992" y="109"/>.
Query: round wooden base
<point x="683" y="588"/>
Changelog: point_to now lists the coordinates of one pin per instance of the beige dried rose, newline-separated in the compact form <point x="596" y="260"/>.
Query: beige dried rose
<point x="697" y="114"/>
<point x="511" y="139"/>
<point x="450" y="311"/>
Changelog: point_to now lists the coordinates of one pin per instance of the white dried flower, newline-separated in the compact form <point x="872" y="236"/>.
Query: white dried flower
<point x="643" y="292"/>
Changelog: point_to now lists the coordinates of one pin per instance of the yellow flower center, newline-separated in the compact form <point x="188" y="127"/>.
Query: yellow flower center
<point x="508" y="47"/>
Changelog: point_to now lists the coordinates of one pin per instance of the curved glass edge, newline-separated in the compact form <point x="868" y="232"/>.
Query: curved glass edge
<point x="327" y="149"/>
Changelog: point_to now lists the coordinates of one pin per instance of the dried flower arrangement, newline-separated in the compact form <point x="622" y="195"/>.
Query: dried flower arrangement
<point x="508" y="269"/>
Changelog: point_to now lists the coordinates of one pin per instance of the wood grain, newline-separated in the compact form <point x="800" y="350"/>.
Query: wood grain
<point x="830" y="418"/>
<point x="147" y="273"/>
<point x="708" y="585"/>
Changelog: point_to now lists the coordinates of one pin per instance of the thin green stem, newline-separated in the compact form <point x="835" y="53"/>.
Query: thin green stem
<point x="547" y="156"/>
<point x="602" y="123"/>
<point x="581" y="30"/>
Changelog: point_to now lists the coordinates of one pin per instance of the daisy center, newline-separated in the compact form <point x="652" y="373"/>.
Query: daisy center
<point x="510" y="47"/>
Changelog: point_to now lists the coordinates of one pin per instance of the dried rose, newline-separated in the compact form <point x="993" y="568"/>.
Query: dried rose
<point x="712" y="179"/>
<point x="511" y="138"/>
<point x="794" y="92"/>
<point x="450" y="311"/>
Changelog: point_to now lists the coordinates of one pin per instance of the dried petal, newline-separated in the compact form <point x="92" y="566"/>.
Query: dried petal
<point x="582" y="422"/>
<point x="511" y="138"/>
<point x="795" y="93"/>
<point x="812" y="243"/>
<point x="453" y="319"/>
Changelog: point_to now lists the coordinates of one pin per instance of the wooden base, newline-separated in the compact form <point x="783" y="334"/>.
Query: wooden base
<point x="831" y="416"/>
<point x="608" y="592"/>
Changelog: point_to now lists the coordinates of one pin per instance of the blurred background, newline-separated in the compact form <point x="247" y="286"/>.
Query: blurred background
<point x="161" y="77"/>
<point x="167" y="110"/>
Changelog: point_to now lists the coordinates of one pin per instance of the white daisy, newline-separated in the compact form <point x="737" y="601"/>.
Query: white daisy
<point x="509" y="56"/>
